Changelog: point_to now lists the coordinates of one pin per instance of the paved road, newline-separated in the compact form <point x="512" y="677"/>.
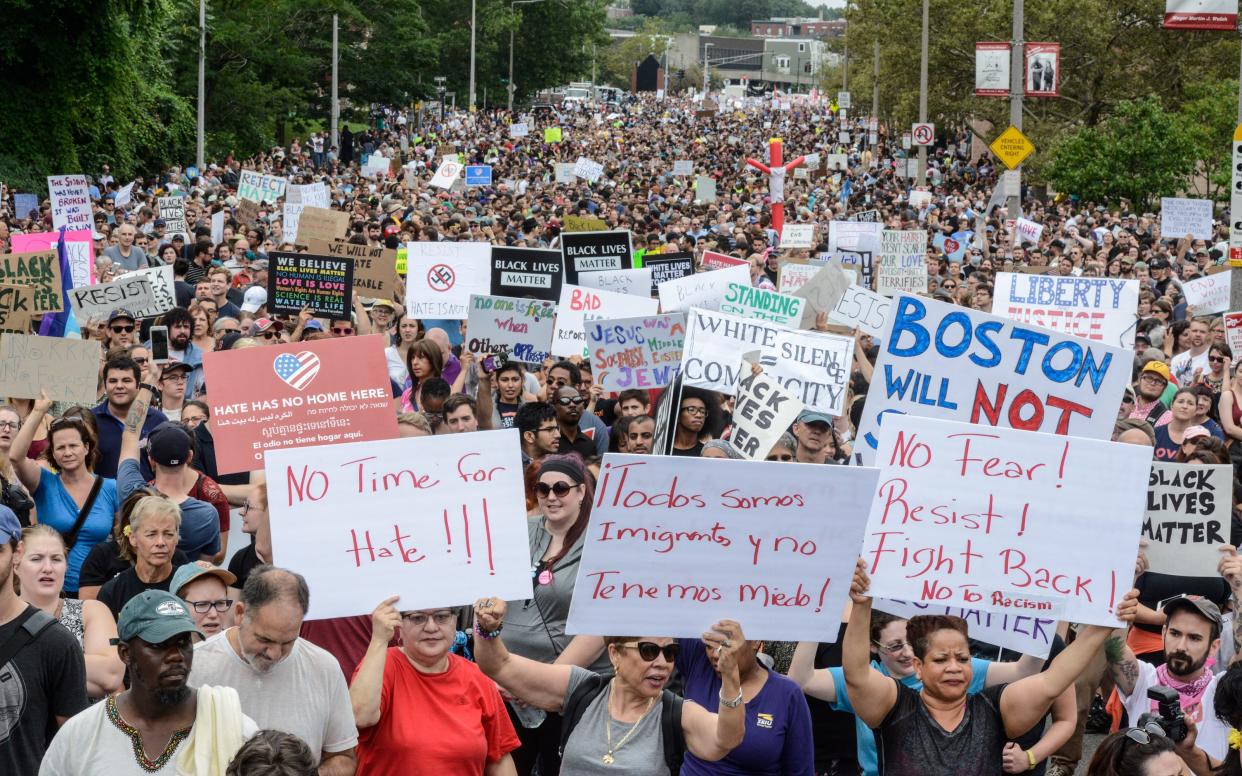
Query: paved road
<point x="1089" y="743"/>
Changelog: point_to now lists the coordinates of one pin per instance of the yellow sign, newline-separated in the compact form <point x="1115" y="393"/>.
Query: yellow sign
<point x="1012" y="147"/>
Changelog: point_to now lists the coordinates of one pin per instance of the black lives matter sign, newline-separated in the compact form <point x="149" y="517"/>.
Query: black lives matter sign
<point x="527" y="273"/>
<point x="594" y="251"/>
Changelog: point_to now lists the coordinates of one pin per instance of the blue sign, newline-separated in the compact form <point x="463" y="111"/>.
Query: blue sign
<point x="479" y="175"/>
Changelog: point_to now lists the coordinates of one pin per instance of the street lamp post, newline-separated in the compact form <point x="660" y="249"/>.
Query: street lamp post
<point x="512" y="9"/>
<point x="202" y="82"/>
<point x="706" y="66"/>
<point x="472" y="39"/>
<point x="440" y="93"/>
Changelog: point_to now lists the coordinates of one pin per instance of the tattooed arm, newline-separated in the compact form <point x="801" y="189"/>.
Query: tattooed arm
<point x="135" y="418"/>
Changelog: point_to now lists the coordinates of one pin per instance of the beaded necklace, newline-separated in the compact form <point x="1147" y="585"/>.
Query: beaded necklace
<point x="144" y="762"/>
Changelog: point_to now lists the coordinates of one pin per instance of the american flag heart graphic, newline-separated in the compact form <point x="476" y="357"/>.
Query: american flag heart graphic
<point x="298" y="371"/>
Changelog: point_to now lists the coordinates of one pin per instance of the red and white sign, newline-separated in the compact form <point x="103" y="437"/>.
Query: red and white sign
<point x="1233" y="331"/>
<point x="1043" y="69"/>
<point x="992" y="69"/>
<point x="1201" y="14"/>
<point x="923" y="134"/>
<point x="298" y="395"/>
<point x="713" y="260"/>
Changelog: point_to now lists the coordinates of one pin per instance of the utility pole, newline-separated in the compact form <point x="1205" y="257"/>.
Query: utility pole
<point x="922" y="179"/>
<point x="845" y="64"/>
<point x="202" y="85"/>
<point x="1017" y="89"/>
<point x="875" y="91"/>
<point x="336" y="102"/>
<point x="1235" y="208"/>
<point x="472" y="39"/>
<point x="706" y="65"/>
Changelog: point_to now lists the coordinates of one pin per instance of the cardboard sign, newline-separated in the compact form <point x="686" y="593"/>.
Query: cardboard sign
<point x="324" y="392"/>
<point x="823" y="293"/>
<point x="172" y="210"/>
<point x="579" y="305"/>
<point x="321" y="224"/>
<point x="1189" y="510"/>
<point x="583" y="223"/>
<point x="527" y="273"/>
<point x="798" y="236"/>
<point x="636" y="352"/>
<point x="260" y="188"/>
<point x="675" y="544"/>
<point x="375" y="272"/>
<point x="300" y="280"/>
<point x="794" y="274"/>
<point x="903" y="266"/>
<point x="587" y="169"/>
<point x="706" y="289"/>
<point x="447" y="174"/>
<point x="762" y="413"/>
<point x="79" y="250"/>
<point x="714" y="346"/>
<point x="442" y="276"/>
<point x="70" y="196"/>
<point x="16" y="306"/>
<point x="39" y="271"/>
<point x="97" y="302"/>
<point x="635" y="282"/>
<point x="1180" y="217"/>
<point x="297" y="199"/>
<point x="68" y="369"/>
<point x="750" y="302"/>
<point x="943" y="361"/>
<point x="163" y="291"/>
<point x="1100" y="309"/>
<point x="1208" y="294"/>
<point x="862" y="309"/>
<point x="594" y="251"/>
<point x="813" y="367"/>
<point x="683" y="167"/>
<point x="520" y="327"/>
<point x="714" y="260"/>
<point x="438" y="520"/>
<point x="247" y="212"/>
<point x="1022" y="633"/>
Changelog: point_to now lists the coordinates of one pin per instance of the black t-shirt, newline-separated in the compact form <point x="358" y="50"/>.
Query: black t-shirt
<point x="581" y="445"/>
<point x="1154" y="588"/>
<point x="910" y="743"/>
<point x="242" y="563"/>
<point x="507" y="412"/>
<point x="46" y="679"/>
<point x="117" y="591"/>
<point x="104" y="562"/>
<point x="690" y="452"/>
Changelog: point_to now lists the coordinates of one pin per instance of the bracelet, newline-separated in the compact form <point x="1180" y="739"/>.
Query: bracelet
<point x="1030" y="755"/>
<point x="487" y="634"/>
<point x="147" y="386"/>
<point x="733" y="704"/>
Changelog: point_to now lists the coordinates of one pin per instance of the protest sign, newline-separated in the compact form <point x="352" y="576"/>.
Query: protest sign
<point x="870" y="216"/>
<point x="714" y="260"/>
<point x="519" y="129"/>
<point x="172" y="211"/>
<point x="587" y="169"/>
<point x="1233" y="332"/>
<point x="705" y="189"/>
<point x="902" y="263"/>
<point x="323" y="392"/>
<point x="748" y="541"/>
<point x="1023" y="633"/>
<point x="584" y="224"/>
<point x="68" y="369"/>
<point x="16" y="306"/>
<point x="636" y="352"/>
<point x="247" y="212"/>
<point x="823" y="292"/>
<point x="310" y="194"/>
<point x="705" y="289"/>
<point x="97" y="302"/>
<point x="479" y="175"/>
<point x="441" y="277"/>
<point x="24" y="204"/>
<point x="217" y="227"/>
<point x="439" y="521"/>
<point x="668" y="266"/>
<point x="71" y="202"/>
<point x="552" y="135"/>
<point x="322" y="283"/>
<point x="794" y="274"/>
<point x="683" y="167"/>
<point x="578" y="305"/>
<point x="260" y="188"/>
<point x="520" y="327"/>
<point x="763" y="411"/>
<point x="1101" y="309"/>
<point x="564" y="172"/>
<point x="527" y="272"/>
<point x="1189" y="512"/>
<point x="862" y="309"/>
<point x="1028" y="232"/>
<point x="377" y="166"/>
<point x="1180" y="217"/>
<point x="943" y="361"/>
<point x="375" y="271"/>
<point x="447" y="174"/>
<point x="1208" y="294"/>
<point x="320" y="223"/>
<point x="592" y="251"/>
<point x="1005" y="520"/>
<point x="79" y="250"/>
<point x="636" y="282"/>
<point x="41" y="272"/>
<point x="749" y="302"/>
<point x="715" y="343"/>
<point x="855" y="242"/>
<point x="813" y="367"/>
<point x="163" y="291"/>
<point x="798" y="236"/>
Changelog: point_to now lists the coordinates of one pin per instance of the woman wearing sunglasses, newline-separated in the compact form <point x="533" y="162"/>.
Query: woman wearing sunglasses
<point x="629" y="722"/>
<point x="1139" y="751"/>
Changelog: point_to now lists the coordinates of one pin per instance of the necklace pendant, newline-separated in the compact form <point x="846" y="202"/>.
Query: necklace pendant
<point x="607" y="758"/>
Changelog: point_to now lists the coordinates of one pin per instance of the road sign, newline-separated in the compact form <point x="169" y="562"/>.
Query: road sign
<point x="1012" y="147"/>
<point x="479" y="175"/>
<point x="1235" y="203"/>
<point x="844" y="100"/>
<point x="923" y="134"/>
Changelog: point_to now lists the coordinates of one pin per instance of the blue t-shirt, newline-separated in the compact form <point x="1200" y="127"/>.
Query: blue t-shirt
<point x="1166" y="448"/>
<point x="778" y="739"/>
<point x="200" y="522"/>
<point x="867" y="758"/>
<point x="57" y="508"/>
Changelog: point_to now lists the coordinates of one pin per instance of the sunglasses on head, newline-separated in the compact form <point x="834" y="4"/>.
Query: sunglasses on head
<point x="649" y="650"/>
<point x="561" y="489"/>
<point x="566" y="401"/>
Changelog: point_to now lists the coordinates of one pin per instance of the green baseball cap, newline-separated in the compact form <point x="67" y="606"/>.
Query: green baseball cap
<point x="155" y="616"/>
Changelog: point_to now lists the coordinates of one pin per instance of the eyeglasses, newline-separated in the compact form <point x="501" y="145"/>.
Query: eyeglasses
<point x="140" y="361"/>
<point x="566" y="401"/>
<point x="220" y="605"/>
<point x="548" y="430"/>
<point x="649" y="650"/>
<point x="1142" y="736"/>
<point x="779" y="458"/>
<point x="561" y="489"/>
<point x="895" y="648"/>
<point x="177" y="377"/>
<point x="694" y="410"/>
<point x="419" y="619"/>
<point x="8" y="425"/>
<point x="248" y="506"/>
<point x="121" y="329"/>
<point x="346" y="330"/>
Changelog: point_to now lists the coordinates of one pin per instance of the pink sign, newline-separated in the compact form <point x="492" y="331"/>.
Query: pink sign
<point x="713" y="260"/>
<point x="78" y="244"/>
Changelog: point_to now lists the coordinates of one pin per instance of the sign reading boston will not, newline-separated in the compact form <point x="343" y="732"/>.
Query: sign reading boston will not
<point x="304" y="280"/>
<point x="594" y="251"/>
<point x="527" y="273"/>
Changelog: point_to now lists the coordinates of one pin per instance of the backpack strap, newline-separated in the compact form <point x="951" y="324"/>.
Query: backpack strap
<point x="670" y="728"/>
<point x="33" y="622"/>
<point x="576" y="705"/>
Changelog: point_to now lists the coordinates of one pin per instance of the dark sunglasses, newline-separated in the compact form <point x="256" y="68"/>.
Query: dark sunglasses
<point x="121" y="329"/>
<point x="1143" y="736"/>
<point x="1216" y="359"/>
<point x="342" y="331"/>
<point x="561" y="489"/>
<point x="565" y="401"/>
<point x="649" y="650"/>
<point x="779" y="458"/>
<point x="269" y="334"/>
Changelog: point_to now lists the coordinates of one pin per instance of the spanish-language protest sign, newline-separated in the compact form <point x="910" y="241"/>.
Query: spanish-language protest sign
<point x="40" y="271"/>
<point x="260" y="188"/>
<point x="714" y="260"/>
<point x="862" y="309"/>
<point x="794" y="274"/>
<point x="79" y="250"/>
<point x="823" y="292"/>
<point x="68" y="369"/>
<point x="172" y="211"/>
<point x="798" y="236"/>
<point x="579" y="305"/>
<point x="1100" y="309"/>
<point x="1189" y="513"/>
<point x="97" y="302"/>
<point x="1180" y="217"/>
<point x="635" y="282"/>
<point x="749" y="302"/>
<point x="522" y="328"/>
<point x="1027" y="634"/>
<point x="527" y="272"/>
<point x="1208" y="294"/>
<point x="375" y="267"/>
<point x="319" y="223"/>
<point x="439" y="521"/>
<point x="942" y="361"/>
<point x="676" y="544"/>
<point x="813" y="367"/>
<point x="668" y="266"/>
<point x="705" y="289"/>
<point x="715" y="343"/>
<point x="442" y="276"/>
<point x="587" y="169"/>
<point x="763" y="411"/>
<point x="163" y="291"/>
<point x="594" y="251"/>
<point x="324" y="392"/>
<point x="1005" y="520"/>
<point x="636" y="352"/>
<point x="856" y="242"/>
<point x="16" y="308"/>
<point x="324" y="284"/>
<point x="71" y="202"/>
<point x="902" y="262"/>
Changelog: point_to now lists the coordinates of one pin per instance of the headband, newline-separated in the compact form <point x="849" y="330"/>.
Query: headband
<point x="562" y="467"/>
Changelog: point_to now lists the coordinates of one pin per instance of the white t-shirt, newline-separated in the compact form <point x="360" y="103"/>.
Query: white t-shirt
<point x="1183" y="367"/>
<point x="89" y="743"/>
<point x="305" y="694"/>
<point x="1213" y="736"/>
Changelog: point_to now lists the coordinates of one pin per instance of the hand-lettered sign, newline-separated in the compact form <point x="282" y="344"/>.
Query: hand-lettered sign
<point x="636" y="352"/>
<point x="323" y="283"/>
<point x="1100" y="309"/>
<point x="527" y="272"/>
<point x="1189" y="512"/>
<point x="521" y="328"/>
<point x="68" y="369"/>
<point x="442" y="276"/>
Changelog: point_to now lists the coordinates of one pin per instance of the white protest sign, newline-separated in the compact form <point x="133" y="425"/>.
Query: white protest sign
<point x="794" y="276"/>
<point x="438" y="520"/>
<point x="260" y="188"/>
<point x="675" y="544"/>
<point x="798" y="236"/>
<point x="714" y="346"/>
<point x="919" y="198"/>
<point x="813" y="367"/>
<point x="217" y="227"/>
<point x="1029" y="231"/>
<point x="1101" y="309"/>
<point x="310" y="194"/>
<point x="762" y="413"/>
<point x="861" y="309"/>
<point x="377" y="166"/>
<point x="579" y="304"/>
<point x="1005" y="520"/>
<point x="588" y="170"/>
<point x="447" y="174"/>
<point x="705" y="189"/>
<point x="902" y="262"/>
<point x="1189" y="512"/>
<point x="702" y="289"/>
<point x="1023" y="633"/>
<point x="636" y="282"/>
<point x="1208" y="294"/>
<point x="943" y="361"/>
<point x="1180" y="217"/>
<point x="683" y="167"/>
<point x="71" y="202"/>
<point x="855" y="242"/>
<point x="123" y="195"/>
<point x="519" y="129"/>
<point x="442" y="276"/>
<point x="172" y="211"/>
<point x="564" y="172"/>
<point x="163" y="291"/>
<point x="636" y="352"/>
<point x="504" y="324"/>
<point x="97" y="302"/>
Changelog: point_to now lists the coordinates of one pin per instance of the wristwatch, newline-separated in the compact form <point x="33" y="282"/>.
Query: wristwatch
<point x="731" y="704"/>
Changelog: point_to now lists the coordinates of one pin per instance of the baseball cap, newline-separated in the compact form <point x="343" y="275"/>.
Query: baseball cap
<point x="120" y="312"/>
<point x="169" y="444"/>
<point x="189" y="572"/>
<point x="811" y="416"/>
<point x="174" y="364"/>
<point x="1159" y="263"/>
<point x="384" y="303"/>
<point x="1194" y="432"/>
<point x="1192" y="603"/>
<point x="10" y="527"/>
<point x="1159" y="368"/>
<point x="312" y="325"/>
<point x="154" y="616"/>
<point x="261" y="325"/>
<point x="256" y="297"/>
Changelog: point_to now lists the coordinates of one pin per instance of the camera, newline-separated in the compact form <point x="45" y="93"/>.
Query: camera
<point x="1168" y="714"/>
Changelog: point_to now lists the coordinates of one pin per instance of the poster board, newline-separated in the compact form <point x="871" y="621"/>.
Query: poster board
<point x="1099" y="309"/>
<point x="643" y="352"/>
<point x="325" y="284"/>
<point x="522" y="328"/>
<point x="527" y="272"/>
<point x="68" y="369"/>
<point x="1188" y="518"/>
<point x="442" y="276"/>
